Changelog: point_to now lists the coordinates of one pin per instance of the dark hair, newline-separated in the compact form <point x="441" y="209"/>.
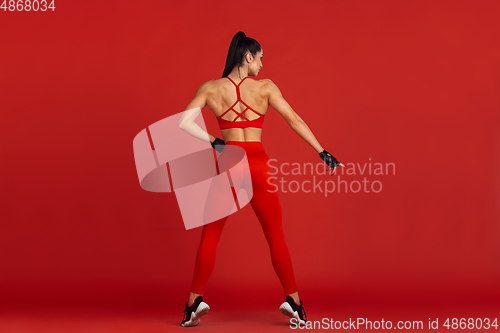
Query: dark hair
<point x="240" y="45"/>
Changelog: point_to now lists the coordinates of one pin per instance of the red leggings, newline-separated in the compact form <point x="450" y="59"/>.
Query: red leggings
<point x="266" y="205"/>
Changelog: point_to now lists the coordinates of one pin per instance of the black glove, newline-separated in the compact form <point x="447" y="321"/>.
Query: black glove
<point x="218" y="144"/>
<point x="329" y="159"/>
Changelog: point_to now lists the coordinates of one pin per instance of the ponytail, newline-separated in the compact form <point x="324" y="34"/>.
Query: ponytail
<point x="240" y="45"/>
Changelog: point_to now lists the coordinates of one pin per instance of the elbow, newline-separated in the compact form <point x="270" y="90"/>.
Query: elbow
<point x="182" y="125"/>
<point x="293" y="122"/>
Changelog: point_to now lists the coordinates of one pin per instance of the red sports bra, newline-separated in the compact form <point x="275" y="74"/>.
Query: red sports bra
<point x="224" y="124"/>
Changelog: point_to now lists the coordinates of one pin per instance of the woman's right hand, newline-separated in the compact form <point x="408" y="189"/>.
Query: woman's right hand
<point x="218" y="144"/>
<point x="330" y="160"/>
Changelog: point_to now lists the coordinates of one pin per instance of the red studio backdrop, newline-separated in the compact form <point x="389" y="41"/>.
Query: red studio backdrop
<point x="410" y="85"/>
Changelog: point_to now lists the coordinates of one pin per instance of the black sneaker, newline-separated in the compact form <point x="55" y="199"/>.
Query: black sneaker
<point x="193" y="313"/>
<point x="296" y="312"/>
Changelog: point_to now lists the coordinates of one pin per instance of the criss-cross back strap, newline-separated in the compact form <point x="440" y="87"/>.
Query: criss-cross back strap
<point x="239" y="100"/>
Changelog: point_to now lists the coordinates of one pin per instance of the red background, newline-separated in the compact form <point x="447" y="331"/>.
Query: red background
<point x="410" y="83"/>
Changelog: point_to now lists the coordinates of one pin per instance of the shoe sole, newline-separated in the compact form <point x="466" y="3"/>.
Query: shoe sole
<point x="195" y="316"/>
<point x="287" y="310"/>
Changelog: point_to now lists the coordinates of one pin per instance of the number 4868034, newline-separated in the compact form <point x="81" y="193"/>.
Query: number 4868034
<point x="27" y="5"/>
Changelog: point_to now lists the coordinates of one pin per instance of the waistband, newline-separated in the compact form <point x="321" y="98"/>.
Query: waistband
<point x="247" y="145"/>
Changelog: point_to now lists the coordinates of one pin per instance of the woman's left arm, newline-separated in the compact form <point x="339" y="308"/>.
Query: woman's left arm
<point x="193" y="109"/>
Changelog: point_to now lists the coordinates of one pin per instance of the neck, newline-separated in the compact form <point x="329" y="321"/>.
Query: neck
<point x="238" y="74"/>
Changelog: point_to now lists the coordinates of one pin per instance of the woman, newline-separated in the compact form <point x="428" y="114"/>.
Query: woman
<point x="240" y="105"/>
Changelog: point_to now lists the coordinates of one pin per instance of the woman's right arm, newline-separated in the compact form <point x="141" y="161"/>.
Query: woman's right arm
<point x="193" y="109"/>
<point x="278" y="103"/>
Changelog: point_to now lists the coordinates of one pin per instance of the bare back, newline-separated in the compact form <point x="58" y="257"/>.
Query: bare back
<point x="222" y="95"/>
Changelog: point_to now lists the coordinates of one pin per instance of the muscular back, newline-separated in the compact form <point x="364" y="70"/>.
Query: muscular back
<point x="222" y="94"/>
<point x="219" y="95"/>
